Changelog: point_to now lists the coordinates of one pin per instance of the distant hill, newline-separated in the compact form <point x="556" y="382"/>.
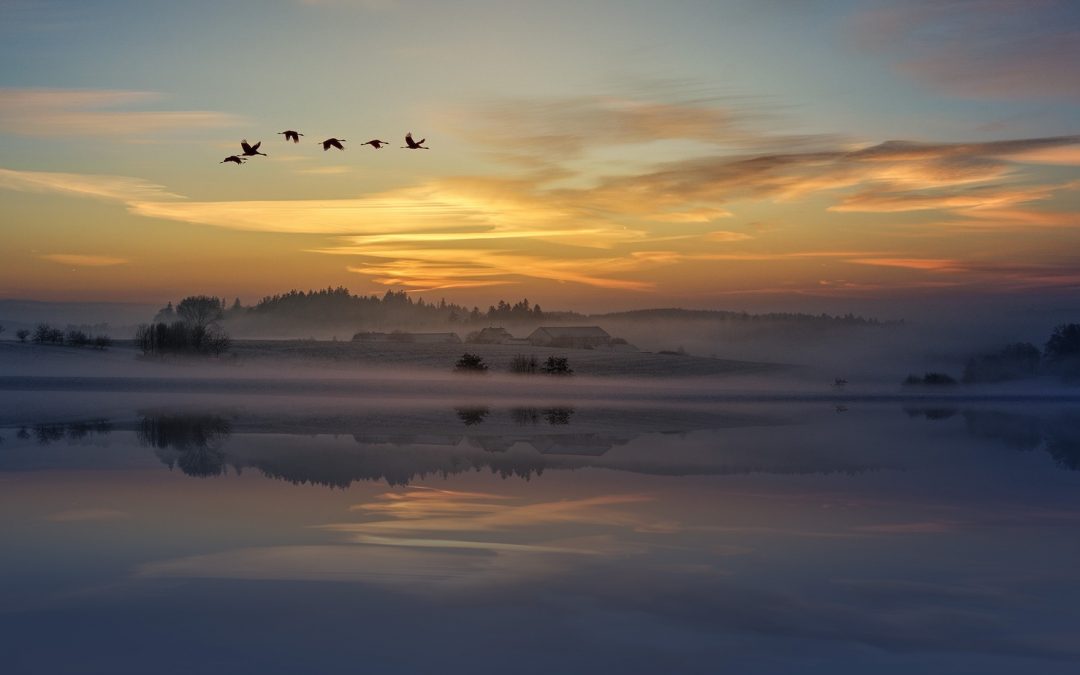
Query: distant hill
<point x="675" y="313"/>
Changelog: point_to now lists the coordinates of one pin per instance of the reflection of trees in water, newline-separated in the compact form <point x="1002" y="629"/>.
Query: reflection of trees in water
<point x="931" y="413"/>
<point x="395" y="466"/>
<point x="1058" y="434"/>
<point x="401" y="450"/>
<point x="53" y="432"/>
<point x="558" y="416"/>
<point x="190" y="442"/>
<point x="473" y="415"/>
<point x="524" y="417"/>
<point x="555" y="416"/>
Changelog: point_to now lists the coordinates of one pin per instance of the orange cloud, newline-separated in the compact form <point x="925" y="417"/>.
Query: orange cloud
<point x="927" y="264"/>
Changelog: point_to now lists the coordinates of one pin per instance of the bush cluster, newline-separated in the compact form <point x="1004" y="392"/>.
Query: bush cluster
<point x="470" y="363"/>
<point x="930" y="380"/>
<point x="180" y="337"/>
<point x="557" y="365"/>
<point x="524" y="365"/>
<point x="44" y="334"/>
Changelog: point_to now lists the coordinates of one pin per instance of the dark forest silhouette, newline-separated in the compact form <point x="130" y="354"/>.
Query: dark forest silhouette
<point x="334" y="308"/>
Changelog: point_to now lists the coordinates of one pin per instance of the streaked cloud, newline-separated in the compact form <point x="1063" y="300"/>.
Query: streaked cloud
<point x="83" y="260"/>
<point x="91" y="112"/>
<point x="111" y="188"/>
<point x="927" y="264"/>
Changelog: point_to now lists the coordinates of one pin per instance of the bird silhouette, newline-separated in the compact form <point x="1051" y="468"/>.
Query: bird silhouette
<point x="251" y="150"/>
<point x="235" y="159"/>
<point x="333" y="143"/>
<point x="414" y="145"/>
<point x="376" y="143"/>
<point x="293" y="136"/>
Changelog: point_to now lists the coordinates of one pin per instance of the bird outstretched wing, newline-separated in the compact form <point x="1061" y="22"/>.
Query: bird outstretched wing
<point x="245" y="146"/>
<point x="256" y="146"/>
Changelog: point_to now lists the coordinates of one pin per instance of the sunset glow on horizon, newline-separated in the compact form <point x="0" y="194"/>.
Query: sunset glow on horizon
<point x="586" y="155"/>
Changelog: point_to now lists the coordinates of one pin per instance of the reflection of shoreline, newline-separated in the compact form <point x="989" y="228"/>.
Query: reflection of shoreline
<point x="1058" y="434"/>
<point x="510" y="442"/>
<point x="196" y="444"/>
<point x="521" y="441"/>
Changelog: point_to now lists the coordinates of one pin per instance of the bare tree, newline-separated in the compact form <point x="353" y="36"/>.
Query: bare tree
<point x="201" y="310"/>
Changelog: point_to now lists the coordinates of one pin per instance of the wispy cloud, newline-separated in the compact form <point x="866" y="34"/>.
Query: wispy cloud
<point x="91" y="112"/>
<point x="111" y="188"/>
<point x="83" y="260"/>
<point x="927" y="264"/>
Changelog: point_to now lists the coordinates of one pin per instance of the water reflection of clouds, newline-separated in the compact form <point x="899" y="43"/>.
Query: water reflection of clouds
<point x="424" y="539"/>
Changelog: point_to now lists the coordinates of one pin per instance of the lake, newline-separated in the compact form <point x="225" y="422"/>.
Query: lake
<point x="267" y="534"/>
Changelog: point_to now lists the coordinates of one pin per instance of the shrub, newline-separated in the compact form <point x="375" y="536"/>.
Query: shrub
<point x="929" y="379"/>
<point x="77" y="338"/>
<point x="180" y="338"/>
<point x="22" y="334"/>
<point x="524" y="365"/>
<point x="102" y="342"/>
<point x="44" y="334"/>
<point x="470" y="363"/>
<point x="557" y="365"/>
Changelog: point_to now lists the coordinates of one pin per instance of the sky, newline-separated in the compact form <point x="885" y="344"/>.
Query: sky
<point x="743" y="154"/>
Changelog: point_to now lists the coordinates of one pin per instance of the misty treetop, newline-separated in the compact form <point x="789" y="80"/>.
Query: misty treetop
<point x="191" y="328"/>
<point x="338" y="306"/>
<point x="1062" y="351"/>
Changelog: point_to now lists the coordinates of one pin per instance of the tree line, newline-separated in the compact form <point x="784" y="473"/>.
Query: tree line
<point x="1060" y="357"/>
<point x="192" y="327"/>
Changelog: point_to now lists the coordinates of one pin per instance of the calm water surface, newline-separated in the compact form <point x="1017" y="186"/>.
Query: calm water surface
<point x="161" y="535"/>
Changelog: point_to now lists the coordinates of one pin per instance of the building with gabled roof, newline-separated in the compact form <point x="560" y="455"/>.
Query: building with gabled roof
<point x="572" y="337"/>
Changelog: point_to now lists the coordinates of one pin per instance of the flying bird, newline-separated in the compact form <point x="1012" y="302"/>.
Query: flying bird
<point x="234" y="159"/>
<point x="293" y="136"/>
<point x="251" y="150"/>
<point x="333" y="143"/>
<point x="376" y="143"/>
<point x="414" y="145"/>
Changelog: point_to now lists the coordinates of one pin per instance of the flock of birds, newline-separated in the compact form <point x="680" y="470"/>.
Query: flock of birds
<point x="251" y="150"/>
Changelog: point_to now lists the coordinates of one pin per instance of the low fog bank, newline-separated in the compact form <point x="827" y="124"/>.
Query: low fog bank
<point x="754" y="351"/>
<point x="118" y="319"/>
